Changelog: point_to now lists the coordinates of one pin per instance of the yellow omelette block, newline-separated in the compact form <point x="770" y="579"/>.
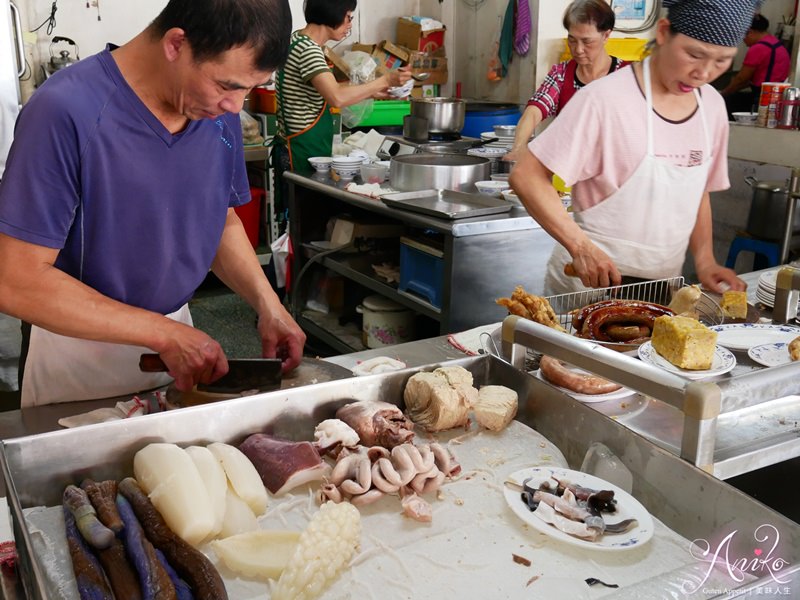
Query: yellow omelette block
<point x="684" y="342"/>
<point x="734" y="304"/>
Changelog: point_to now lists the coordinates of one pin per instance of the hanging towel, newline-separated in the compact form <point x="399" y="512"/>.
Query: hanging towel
<point x="522" y="32"/>
<point x="506" y="49"/>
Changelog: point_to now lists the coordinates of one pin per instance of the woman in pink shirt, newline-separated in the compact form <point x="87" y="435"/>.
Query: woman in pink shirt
<point x="589" y="23"/>
<point x="642" y="148"/>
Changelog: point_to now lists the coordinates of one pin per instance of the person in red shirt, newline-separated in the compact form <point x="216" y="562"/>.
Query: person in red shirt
<point x="589" y="24"/>
<point x="766" y="60"/>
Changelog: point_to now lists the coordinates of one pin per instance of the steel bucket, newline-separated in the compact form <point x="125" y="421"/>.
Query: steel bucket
<point x="768" y="209"/>
<point x="444" y="115"/>
<point x="458" y="172"/>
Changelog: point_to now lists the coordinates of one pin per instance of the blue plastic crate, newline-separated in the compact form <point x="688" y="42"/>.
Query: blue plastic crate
<point x="421" y="270"/>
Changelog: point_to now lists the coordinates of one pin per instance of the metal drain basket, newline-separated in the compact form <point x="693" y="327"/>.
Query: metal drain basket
<point x="659" y="291"/>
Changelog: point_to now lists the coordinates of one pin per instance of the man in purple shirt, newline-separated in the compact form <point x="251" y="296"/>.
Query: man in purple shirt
<point x="119" y="196"/>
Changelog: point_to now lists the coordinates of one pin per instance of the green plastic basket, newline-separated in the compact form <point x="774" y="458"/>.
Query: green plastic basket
<point x="386" y="112"/>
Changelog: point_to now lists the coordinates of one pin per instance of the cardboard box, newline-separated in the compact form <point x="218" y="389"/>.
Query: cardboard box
<point x="409" y="34"/>
<point x="368" y="48"/>
<point x="421" y="62"/>
<point x="425" y="91"/>
<point x="388" y="56"/>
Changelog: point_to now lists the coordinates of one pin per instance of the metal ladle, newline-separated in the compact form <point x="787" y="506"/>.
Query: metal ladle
<point x="420" y="76"/>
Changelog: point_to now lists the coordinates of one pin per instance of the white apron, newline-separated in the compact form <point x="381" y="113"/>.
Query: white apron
<point x="644" y="226"/>
<point x="66" y="369"/>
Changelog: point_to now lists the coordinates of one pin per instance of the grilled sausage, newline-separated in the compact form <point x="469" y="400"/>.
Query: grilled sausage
<point x="555" y="371"/>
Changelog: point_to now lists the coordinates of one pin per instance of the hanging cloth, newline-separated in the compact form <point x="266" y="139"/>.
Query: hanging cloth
<point x="506" y="49"/>
<point x="522" y="32"/>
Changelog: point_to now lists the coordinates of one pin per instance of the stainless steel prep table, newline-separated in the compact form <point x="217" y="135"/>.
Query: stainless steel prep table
<point x="687" y="500"/>
<point x="483" y="256"/>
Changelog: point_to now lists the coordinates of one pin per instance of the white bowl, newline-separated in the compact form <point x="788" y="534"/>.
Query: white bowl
<point x="745" y="117"/>
<point x="345" y="172"/>
<point x="352" y="162"/>
<point x="491" y="188"/>
<point x="504" y="130"/>
<point x="321" y="163"/>
<point x="510" y="196"/>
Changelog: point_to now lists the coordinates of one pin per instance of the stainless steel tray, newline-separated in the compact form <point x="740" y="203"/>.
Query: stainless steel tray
<point x="685" y="499"/>
<point x="447" y="204"/>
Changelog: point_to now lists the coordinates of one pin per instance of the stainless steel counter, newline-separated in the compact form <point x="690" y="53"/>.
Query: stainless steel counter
<point x="515" y="220"/>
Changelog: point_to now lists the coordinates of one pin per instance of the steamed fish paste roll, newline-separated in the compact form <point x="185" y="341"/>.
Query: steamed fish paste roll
<point x="169" y="477"/>
<point x="242" y="475"/>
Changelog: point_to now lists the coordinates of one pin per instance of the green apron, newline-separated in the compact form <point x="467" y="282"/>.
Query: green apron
<point x="314" y="140"/>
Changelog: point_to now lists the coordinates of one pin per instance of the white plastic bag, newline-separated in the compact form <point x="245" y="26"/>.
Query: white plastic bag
<point x="280" y="255"/>
<point x="250" y="131"/>
<point x="362" y="69"/>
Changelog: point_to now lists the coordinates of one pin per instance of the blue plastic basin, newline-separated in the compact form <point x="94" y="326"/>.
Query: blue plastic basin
<point x="480" y="120"/>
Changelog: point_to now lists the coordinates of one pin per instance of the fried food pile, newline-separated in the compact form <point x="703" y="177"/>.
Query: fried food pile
<point x="531" y="307"/>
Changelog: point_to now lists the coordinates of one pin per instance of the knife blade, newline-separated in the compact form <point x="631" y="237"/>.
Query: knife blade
<point x="262" y="374"/>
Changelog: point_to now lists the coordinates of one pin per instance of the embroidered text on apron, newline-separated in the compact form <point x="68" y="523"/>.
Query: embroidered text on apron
<point x="658" y="205"/>
<point x="65" y="369"/>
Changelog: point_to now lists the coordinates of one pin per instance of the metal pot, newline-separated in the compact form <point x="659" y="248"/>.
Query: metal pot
<point x="458" y="172"/>
<point x="444" y="115"/>
<point x="768" y="209"/>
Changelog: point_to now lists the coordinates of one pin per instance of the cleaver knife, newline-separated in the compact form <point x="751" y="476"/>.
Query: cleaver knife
<point x="262" y="374"/>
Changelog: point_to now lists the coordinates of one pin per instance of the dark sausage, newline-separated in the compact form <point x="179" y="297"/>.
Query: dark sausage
<point x="191" y="564"/>
<point x="89" y="576"/>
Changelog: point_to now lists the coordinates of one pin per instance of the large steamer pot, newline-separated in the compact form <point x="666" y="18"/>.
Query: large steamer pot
<point x="444" y="115"/>
<point x="459" y="172"/>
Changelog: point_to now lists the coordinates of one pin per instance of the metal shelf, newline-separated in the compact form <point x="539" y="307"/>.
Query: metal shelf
<point x="355" y="270"/>
<point x="327" y="329"/>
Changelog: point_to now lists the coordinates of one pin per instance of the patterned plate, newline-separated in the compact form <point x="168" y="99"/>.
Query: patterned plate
<point x="723" y="362"/>
<point x="770" y="355"/>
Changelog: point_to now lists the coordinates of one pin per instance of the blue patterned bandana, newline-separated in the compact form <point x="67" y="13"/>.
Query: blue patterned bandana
<point x="718" y="22"/>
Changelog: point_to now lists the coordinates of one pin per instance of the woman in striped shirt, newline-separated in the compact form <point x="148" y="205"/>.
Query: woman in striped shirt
<point x="589" y="24"/>
<point x="306" y="86"/>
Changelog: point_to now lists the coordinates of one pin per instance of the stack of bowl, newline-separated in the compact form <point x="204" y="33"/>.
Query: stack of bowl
<point x="346" y="167"/>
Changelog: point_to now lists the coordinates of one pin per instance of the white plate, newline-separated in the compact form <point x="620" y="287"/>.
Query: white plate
<point x="769" y="280"/>
<point x="771" y="355"/>
<point x="743" y="336"/>
<point x="627" y="508"/>
<point x="724" y="361"/>
<point x="589" y="398"/>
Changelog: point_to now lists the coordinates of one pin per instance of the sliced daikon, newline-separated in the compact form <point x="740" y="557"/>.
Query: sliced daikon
<point x="239" y="518"/>
<point x="242" y="475"/>
<point x="213" y="476"/>
<point x="169" y="477"/>
<point x="261" y="554"/>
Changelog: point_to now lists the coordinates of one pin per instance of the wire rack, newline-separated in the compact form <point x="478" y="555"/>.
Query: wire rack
<point x="659" y="291"/>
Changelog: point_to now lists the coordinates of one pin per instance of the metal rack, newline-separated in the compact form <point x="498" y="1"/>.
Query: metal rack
<point x="728" y="425"/>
